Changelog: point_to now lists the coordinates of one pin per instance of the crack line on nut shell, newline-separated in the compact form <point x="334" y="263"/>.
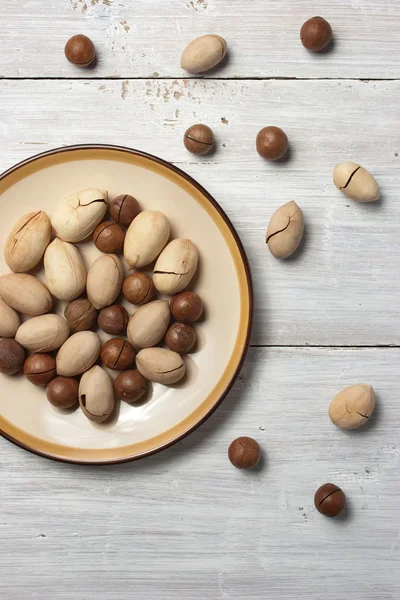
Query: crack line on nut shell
<point x="148" y="293"/>
<point x="40" y="372"/>
<point x="330" y="494"/>
<point x="276" y="232"/>
<point x="171" y="371"/>
<point x="188" y="137"/>
<point x="356" y="412"/>
<point x="350" y="178"/>
<point x="120" y="207"/>
<point x="15" y="240"/>
<point x="169" y="273"/>
<point x="104" y="228"/>
<point x="119" y="355"/>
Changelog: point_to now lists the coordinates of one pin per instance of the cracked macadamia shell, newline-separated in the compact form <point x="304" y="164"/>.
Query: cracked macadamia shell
<point x="353" y="406"/>
<point x="355" y="182"/>
<point x="285" y="230"/>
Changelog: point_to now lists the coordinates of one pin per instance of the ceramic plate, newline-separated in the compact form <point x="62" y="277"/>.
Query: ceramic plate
<point x="223" y="281"/>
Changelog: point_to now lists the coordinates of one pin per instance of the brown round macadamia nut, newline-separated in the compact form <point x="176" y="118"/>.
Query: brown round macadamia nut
<point x="113" y="319"/>
<point x="138" y="288"/>
<point x="62" y="392"/>
<point x="40" y="369"/>
<point x="109" y="237"/>
<point x="180" y="338"/>
<point x="130" y="386"/>
<point x="12" y="356"/>
<point x="272" y="143"/>
<point x="80" y="50"/>
<point x="186" y="307"/>
<point x="316" y="34"/>
<point x="123" y="209"/>
<point x="81" y="315"/>
<point x="244" y="453"/>
<point x="329" y="500"/>
<point x="118" y="354"/>
<point x="199" y="139"/>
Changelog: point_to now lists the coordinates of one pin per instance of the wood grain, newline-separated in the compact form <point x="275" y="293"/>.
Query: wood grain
<point x="343" y="286"/>
<point x="146" y="39"/>
<point x="186" y="524"/>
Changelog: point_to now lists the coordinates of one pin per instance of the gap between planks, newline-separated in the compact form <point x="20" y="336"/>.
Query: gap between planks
<point x="335" y="347"/>
<point x="180" y="78"/>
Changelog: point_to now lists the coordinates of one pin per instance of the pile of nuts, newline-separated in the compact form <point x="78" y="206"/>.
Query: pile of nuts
<point x="78" y="348"/>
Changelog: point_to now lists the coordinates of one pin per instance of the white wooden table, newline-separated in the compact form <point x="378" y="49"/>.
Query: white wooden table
<point x="184" y="524"/>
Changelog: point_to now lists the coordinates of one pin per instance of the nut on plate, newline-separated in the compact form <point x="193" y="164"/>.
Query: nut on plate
<point x="25" y="293"/>
<point x="79" y="214"/>
<point x="27" y="241"/>
<point x="96" y="394"/>
<point x="175" y="266"/>
<point x="113" y="319"/>
<point x="180" y="338"/>
<point x="187" y="307"/>
<point x="12" y="356"/>
<point x="146" y="237"/>
<point x="203" y="53"/>
<point x="353" y="406"/>
<point x="123" y="209"/>
<point x="355" y="182"/>
<point x="160" y="365"/>
<point x="199" y="139"/>
<point x="64" y="270"/>
<point x="109" y="237"/>
<point x="43" y="334"/>
<point x="81" y="315"/>
<point x="40" y="369"/>
<point x="9" y="320"/>
<point x="130" y="386"/>
<point x="78" y="353"/>
<point x="62" y="392"/>
<point x="104" y="280"/>
<point x="285" y="230"/>
<point x="118" y="354"/>
<point x="147" y="326"/>
<point x="138" y="288"/>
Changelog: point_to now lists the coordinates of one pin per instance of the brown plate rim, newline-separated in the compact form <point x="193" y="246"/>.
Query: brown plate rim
<point x="245" y="262"/>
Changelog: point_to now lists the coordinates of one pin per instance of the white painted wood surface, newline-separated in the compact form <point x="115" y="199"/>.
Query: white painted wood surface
<point x="343" y="287"/>
<point x="146" y="38"/>
<point x="184" y="524"/>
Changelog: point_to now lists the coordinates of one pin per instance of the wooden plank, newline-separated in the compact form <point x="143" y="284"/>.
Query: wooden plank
<point x="185" y="524"/>
<point x="343" y="287"/>
<point x="145" y="39"/>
